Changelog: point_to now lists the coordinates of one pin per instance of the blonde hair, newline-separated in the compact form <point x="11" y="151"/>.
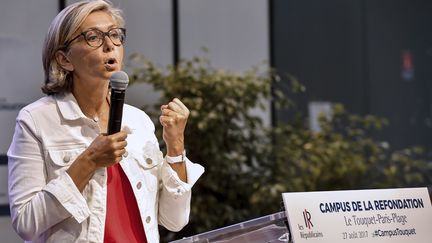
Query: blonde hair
<point x="63" y="26"/>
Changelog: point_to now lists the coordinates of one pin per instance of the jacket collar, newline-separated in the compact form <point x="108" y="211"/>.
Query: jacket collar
<point x="68" y="106"/>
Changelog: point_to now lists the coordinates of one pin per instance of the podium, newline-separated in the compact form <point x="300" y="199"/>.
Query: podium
<point x="374" y="215"/>
<point x="270" y="228"/>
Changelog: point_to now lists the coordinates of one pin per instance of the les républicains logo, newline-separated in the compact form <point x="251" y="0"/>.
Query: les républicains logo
<point x="308" y="225"/>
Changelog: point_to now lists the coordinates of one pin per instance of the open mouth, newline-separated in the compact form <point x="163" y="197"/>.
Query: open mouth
<point x="110" y="61"/>
<point x="110" y="64"/>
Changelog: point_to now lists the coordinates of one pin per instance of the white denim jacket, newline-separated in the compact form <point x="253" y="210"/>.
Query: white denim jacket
<point x="45" y="204"/>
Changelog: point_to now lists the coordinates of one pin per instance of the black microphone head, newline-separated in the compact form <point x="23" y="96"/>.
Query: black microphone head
<point x="119" y="80"/>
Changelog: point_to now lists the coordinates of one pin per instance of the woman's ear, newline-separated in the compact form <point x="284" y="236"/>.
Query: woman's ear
<point x="63" y="60"/>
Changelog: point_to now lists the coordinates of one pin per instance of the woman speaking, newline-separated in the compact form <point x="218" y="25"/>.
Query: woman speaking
<point x="71" y="182"/>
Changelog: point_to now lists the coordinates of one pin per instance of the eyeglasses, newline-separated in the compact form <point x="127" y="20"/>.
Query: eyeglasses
<point x="96" y="38"/>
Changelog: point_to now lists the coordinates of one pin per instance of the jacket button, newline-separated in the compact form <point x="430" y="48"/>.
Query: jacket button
<point x="149" y="161"/>
<point x="138" y="185"/>
<point x="66" y="158"/>
<point x="148" y="219"/>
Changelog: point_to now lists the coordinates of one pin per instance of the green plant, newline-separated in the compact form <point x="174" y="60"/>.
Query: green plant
<point x="249" y="164"/>
<point x="344" y="155"/>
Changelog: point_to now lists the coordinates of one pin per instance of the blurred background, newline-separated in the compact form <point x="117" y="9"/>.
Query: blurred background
<point x="372" y="57"/>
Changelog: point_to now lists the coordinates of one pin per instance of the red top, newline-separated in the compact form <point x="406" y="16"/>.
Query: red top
<point x="123" y="222"/>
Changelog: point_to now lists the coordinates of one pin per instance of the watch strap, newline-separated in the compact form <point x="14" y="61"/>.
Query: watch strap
<point x="176" y="159"/>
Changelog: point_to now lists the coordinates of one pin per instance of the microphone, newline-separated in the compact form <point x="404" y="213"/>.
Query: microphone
<point x="119" y="82"/>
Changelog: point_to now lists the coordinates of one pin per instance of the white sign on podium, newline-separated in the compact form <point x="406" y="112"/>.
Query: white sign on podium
<point x="372" y="216"/>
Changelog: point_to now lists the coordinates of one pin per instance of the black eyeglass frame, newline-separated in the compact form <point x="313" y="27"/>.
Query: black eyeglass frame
<point x="83" y="34"/>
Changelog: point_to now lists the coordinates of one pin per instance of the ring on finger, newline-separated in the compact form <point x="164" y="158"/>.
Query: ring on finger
<point x="124" y="153"/>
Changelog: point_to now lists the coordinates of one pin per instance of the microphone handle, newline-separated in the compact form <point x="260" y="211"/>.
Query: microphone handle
<point x="116" y="111"/>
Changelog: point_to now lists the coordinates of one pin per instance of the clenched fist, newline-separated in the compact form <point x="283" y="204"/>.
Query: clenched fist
<point x="173" y="119"/>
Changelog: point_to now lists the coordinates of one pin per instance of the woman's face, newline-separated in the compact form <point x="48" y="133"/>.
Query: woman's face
<point x="95" y="64"/>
